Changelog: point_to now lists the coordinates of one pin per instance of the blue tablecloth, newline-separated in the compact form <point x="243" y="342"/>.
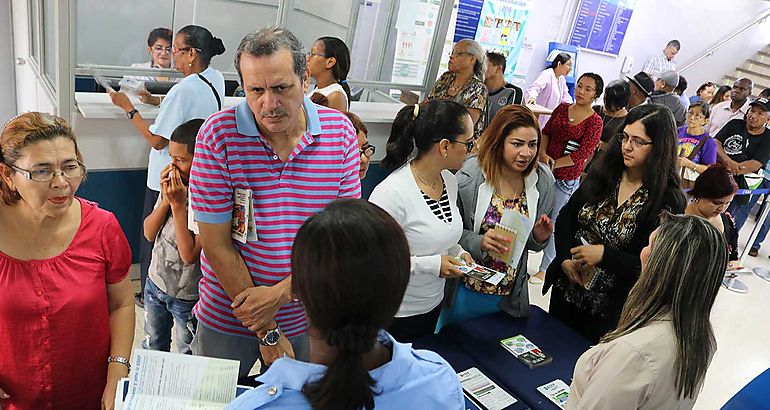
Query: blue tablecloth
<point x="753" y="395"/>
<point x="476" y="342"/>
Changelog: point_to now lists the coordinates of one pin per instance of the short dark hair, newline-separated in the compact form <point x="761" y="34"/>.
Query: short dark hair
<point x="765" y="93"/>
<point x="599" y="83"/>
<point x="350" y="269"/>
<point x="187" y="132"/>
<point x="159" y="33"/>
<point x="679" y="89"/>
<point x="435" y="120"/>
<point x="715" y="182"/>
<point x="358" y="124"/>
<point x="617" y="95"/>
<point x="703" y="87"/>
<point x="704" y="107"/>
<point x="675" y="44"/>
<point x="497" y="59"/>
<point x="201" y="39"/>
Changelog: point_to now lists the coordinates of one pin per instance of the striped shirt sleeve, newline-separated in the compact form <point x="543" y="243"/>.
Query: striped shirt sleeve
<point x="350" y="186"/>
<point x="211" y="190"/>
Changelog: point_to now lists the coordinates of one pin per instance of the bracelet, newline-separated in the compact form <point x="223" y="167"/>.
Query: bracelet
<point x="119" y="359"/>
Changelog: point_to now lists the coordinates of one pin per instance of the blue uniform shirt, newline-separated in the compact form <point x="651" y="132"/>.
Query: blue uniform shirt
<point x="412" y="377"/>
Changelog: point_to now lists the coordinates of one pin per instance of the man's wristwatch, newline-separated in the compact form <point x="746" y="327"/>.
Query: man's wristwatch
<point x="130" y="114"/>
<point x="271" y="337"/>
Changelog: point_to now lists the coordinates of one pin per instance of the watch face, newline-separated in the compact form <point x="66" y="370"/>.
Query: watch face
<point x="271" y="338"/>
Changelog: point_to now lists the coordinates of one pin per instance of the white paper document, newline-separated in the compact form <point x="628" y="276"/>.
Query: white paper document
<point x="484" y="391"/>
<point x="171" y="381"/>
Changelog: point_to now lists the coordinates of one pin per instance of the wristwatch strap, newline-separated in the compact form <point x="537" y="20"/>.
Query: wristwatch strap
<point x="131" y="114"/>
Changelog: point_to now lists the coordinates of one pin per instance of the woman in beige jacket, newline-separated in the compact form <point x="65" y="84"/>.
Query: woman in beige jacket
<point x="658" y="356"/>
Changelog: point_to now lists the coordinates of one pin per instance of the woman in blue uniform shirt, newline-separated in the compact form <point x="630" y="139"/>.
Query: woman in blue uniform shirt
<point x="350" y="269"/>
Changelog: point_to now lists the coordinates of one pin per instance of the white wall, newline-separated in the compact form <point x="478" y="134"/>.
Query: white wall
<point x="7" y="86"/>
<point x="697" y="24"/>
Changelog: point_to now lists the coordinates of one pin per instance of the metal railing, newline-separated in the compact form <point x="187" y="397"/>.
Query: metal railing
<point x="761" y="19"/>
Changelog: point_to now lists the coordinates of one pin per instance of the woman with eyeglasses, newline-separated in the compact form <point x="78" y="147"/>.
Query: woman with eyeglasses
<point x="421" y="195"/>
<point x="66" y="310"/>
<point x="367" y="149"/>
<point x="550" y="87"/>
<point x="696" y="149"/>
<point x="159" y="48"/>
<point x="464" y="81"/>
<point x="505" y="180"/>
<point x="606" y="223"/>
<point x="200" y="94"/>
<point x="570" y="138"/>
<point x="329" y="63"/>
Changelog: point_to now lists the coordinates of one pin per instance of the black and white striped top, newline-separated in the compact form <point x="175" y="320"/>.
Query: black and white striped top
<point x="440" y="208"/>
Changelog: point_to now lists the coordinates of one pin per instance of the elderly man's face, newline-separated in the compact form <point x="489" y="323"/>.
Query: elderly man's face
<point x="274" y="92"/>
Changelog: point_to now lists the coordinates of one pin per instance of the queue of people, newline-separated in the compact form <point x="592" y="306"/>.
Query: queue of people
<point x="326" y="290"/>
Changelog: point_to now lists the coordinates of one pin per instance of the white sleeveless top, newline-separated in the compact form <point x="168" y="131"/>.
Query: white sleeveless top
<point x="326" y="91"/>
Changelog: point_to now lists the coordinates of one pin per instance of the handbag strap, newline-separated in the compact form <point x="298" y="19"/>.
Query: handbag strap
<point x="219" y="101"/>
<point x="698" y="147"/>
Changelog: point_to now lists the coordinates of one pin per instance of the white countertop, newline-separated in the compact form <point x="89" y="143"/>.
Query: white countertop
<point x="99" y="106"/>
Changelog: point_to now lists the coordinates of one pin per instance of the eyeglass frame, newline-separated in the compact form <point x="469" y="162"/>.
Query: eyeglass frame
<point x="28" y="174"/>
<point x="311" y="54"/>
<point x="460" y="53"/>
<point x="367" y="148"/>
<point x="175" y="50"/>
<point x="468" y="145"/>
<point x="636" y="142"/>
<point x="168" y="50"/>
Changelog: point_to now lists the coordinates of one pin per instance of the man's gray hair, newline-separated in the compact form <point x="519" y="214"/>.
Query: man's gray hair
<point x="267" y="41"/>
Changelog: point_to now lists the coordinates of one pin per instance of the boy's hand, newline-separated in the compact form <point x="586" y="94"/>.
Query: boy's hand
<point x="175" y="191"/>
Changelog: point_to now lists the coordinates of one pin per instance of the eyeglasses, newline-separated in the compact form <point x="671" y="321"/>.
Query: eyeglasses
<point x="636" y="142"/>
<point x="368" y="151"/>
<point x="312" y="53"/>
<point x="468" y="145"/>
<point x="69" y="171"/>
<point x="459" y="53"/>
<point x="175" y="50"/>
<point x="160" y="49"/>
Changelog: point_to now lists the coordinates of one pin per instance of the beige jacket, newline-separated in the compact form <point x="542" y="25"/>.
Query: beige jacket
<point x="635" y="371"/>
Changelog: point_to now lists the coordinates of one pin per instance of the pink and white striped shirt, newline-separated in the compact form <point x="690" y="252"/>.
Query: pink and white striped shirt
<point x="230" y="153"/>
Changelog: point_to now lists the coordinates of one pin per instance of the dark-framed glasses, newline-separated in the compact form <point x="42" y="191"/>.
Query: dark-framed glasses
<point x="468" y="145"/>
<point x="368" y="151"/>
<point x="160" y="49"/>
<point x="68" y="171"/>
<point x="636" y="142"/>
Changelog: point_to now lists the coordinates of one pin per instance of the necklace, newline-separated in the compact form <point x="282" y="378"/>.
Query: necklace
<point x="417" y="174"/>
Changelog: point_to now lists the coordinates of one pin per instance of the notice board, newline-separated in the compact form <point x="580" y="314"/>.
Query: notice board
<point x="600" y="25"/>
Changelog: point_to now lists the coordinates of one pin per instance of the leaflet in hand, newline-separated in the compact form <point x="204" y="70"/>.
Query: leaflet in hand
<point x="243" y="226"/>
<point x="526" y="351"/>
<point x="171" y="381"/>
<point x="479" y="272"/>
<point x="515" y="222"/>
<point x="483" y="391"/>
<point x="556" y="391"/>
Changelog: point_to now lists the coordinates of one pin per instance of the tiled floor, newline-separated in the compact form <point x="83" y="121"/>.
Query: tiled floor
<point x="739" y="320"/>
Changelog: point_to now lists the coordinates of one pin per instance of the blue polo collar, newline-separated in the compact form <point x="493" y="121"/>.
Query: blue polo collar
<point x="247" y="125"/>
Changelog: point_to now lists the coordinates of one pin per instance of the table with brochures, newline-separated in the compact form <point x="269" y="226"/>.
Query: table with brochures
<point x="476" y="343"/>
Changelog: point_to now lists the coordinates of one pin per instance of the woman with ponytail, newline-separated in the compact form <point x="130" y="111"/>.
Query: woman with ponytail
<point x="200" y="94"/>
<point x="421" y="194"/>
<point x="350" y="268"/>
<point x="329" y="64"/>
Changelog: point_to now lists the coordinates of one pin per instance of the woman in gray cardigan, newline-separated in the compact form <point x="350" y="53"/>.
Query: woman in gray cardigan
<point x="506" y="202"/>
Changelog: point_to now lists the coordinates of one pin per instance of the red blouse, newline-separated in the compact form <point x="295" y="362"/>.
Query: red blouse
<point x="54" y="318"/>
<point x="587" y="133"/>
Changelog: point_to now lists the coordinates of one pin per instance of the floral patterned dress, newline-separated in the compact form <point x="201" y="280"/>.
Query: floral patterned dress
<point x="607" y="224"/>
<point x="494" y="213"/>
<point x="473" y="95"/>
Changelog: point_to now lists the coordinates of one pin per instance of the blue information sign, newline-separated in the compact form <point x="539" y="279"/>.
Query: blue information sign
<point x="601" y="25"/>
<point x="468" y="14"/>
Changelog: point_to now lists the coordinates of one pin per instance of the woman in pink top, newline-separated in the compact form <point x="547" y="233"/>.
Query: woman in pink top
<point x="66" y="310"/>
<point x="550" y="87"/>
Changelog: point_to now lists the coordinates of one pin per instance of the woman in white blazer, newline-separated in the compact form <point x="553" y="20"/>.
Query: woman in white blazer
<point x="421" y="195"/>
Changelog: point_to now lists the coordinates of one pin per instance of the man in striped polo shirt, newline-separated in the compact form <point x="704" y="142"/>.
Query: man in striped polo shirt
<point x="295" y="157"/>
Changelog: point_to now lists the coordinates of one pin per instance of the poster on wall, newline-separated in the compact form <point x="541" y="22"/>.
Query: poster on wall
<point x="416" y="24"/>
<point x="601" y="25"/>
<point x="499" y="26"/>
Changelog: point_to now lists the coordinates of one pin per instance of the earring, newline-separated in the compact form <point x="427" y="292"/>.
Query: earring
<point x="445" y="155"/>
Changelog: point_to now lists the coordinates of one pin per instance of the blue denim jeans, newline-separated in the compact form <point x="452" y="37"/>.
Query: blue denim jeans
<point x="562" y="193"/>
<point x="161" y="313"/>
